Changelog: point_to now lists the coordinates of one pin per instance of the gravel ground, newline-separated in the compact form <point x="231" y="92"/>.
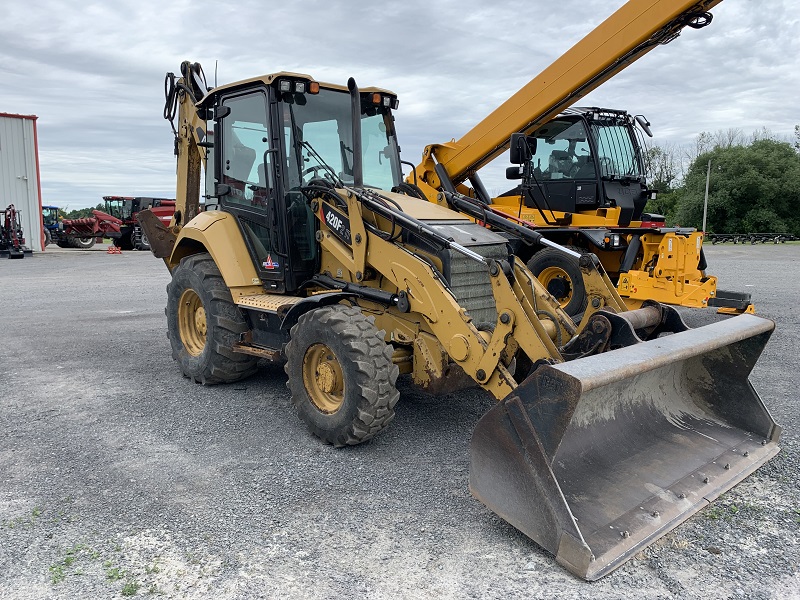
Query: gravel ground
<point x="118" y="477"/>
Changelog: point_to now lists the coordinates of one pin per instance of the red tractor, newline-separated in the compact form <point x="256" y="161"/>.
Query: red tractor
<point x="126" y="208"/>
<point x="117" y="222"/>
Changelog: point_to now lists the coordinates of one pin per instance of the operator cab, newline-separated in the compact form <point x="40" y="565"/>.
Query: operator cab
<point x="276" y="135"/>
<point x="50" y="216"/>
<point x="585" y="159"/>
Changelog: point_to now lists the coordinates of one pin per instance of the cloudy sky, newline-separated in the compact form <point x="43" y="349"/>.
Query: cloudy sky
<point x="93" y="72"/>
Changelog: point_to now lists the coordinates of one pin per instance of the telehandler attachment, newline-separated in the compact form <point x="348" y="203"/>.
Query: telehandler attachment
<point x="313" y="249"/>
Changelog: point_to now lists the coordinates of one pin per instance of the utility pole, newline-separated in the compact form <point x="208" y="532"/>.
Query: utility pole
<point x="705" y="202"/>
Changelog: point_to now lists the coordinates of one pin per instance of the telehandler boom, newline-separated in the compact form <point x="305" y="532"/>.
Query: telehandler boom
<point x="583" y="185"/>
<point x="310" y="250"/>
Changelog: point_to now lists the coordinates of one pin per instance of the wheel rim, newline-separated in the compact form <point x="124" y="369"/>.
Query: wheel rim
<point x="558" y="283"/>
<point x="322" y="377"/>
<point x="192" y="324"/>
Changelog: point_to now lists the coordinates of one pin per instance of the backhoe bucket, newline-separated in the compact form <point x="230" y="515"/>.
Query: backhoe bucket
<point x="596" y="458"/>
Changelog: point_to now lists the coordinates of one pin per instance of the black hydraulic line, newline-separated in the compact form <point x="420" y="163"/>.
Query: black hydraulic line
<point x="411" y="224"/>
<point x="361" y="291"/>
<point x="471" y="207"/>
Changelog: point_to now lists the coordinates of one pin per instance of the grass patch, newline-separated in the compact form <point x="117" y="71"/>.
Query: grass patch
<point x="130" y="588"/>
<point x="57" y="574"/>
<point x="59" y="570"/>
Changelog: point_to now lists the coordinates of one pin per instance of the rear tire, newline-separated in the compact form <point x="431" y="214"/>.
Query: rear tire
<point x="562" y="277"/>
<point x="83" y="243"/>
<point x="144" y="242"/>
<point x="203" y="324"/>
<point x="341" y="375"/>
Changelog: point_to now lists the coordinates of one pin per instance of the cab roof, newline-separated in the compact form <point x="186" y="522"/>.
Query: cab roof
<point x="270" y="78"/>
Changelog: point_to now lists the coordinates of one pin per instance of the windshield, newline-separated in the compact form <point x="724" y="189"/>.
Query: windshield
<point x="617" y="153"/>
<point x="319" y="141"/>
<point x="121" y="209"/>
<point x="50" y="215"/>
<point x="563" y="152"/>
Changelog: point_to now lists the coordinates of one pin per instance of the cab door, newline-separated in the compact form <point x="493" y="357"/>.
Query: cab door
<point x="245" y="174"/>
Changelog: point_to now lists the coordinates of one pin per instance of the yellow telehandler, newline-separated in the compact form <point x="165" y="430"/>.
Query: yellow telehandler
<point x="606" y="434"/>
<point x="583" y="184"/>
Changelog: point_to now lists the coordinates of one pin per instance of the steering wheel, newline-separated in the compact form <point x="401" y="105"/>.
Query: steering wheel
<point x="315" y="169"/>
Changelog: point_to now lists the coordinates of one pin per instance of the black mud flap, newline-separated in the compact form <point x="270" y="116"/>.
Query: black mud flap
<point x="597" y="458"/>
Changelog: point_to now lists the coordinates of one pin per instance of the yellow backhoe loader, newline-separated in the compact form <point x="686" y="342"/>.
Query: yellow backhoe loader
<point x="606" y="434"/>
<point x="583" y="184"/>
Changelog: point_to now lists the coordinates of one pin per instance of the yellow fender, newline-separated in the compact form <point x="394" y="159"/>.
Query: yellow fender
<point x="217" y="233"/>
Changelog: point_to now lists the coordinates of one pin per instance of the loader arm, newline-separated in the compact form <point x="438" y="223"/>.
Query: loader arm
<point x="624" y="37"/>
<point x="479" y="355"/>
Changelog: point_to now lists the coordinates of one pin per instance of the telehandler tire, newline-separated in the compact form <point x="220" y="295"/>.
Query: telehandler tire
<point x="341" y="375"/>
<point x="561" y="275"/>
<point x="203" y="324"/>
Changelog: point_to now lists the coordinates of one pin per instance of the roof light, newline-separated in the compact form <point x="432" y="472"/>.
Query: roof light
<point x="313" y="87"/>
<point x="300" y="87"/>
<point x="376" y="98"/>
<point x="285" y="85"/>
<point x="387" y="101"/>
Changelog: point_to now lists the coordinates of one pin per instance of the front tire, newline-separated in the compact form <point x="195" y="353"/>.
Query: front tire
<point x="561" y="275"/>
<point x="341" y="375"/>
<point x="203" y="324"/>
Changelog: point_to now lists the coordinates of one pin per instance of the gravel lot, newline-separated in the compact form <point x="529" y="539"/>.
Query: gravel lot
<point x="118" y="477"/>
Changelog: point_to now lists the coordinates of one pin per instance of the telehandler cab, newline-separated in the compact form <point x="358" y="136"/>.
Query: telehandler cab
<point x="605" y="435"/>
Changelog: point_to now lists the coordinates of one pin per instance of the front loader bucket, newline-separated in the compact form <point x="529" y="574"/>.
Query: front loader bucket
<point x="596" y="458"/>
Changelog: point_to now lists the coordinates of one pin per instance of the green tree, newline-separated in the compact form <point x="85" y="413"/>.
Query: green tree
<point x="753" y="188"/>
<point x="82" y="213"/>
<point x="662" y="166"/>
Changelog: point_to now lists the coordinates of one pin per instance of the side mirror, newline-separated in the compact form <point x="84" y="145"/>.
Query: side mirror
<point x="644" y="124"/>
<point x="513" y="173"/>
<point x="522" y="148"/>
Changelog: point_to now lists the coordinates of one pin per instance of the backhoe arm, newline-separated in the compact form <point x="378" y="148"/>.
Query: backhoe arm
<point x="182" y="95"/>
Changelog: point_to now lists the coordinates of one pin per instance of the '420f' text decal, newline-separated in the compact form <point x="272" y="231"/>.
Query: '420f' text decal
<point x="338" y="223"/>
